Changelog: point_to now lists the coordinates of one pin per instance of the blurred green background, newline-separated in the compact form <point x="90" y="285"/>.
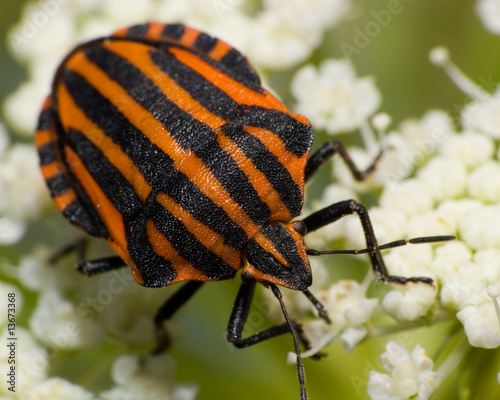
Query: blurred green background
<point x="410" y="85"/>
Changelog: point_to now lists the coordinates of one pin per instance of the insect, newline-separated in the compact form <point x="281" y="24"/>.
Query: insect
<point x="161" y="140"/>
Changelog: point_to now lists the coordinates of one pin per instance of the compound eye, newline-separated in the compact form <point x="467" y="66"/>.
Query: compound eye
<point x="300" y="227"/>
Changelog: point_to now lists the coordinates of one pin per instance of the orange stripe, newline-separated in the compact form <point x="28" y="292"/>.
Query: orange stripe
<point x="65" y="199"/>
<point x="262" y="277"/>
<point x="163" y="248"/>
<point x="220" y="50"/>
<point x="269" y="247"/>
<point x="44" y="137"/>
<point x="189" y="37"/>
<point x="52" y="169"/>
<point x="73" y="117"/>
<point x="236" y="90"/>
<point x="111" y="217"/>
<point x="295" y="165"/>
<point x="155" y="31"/>
<point x="184" y="160"/>
<point x="206" y="236"/>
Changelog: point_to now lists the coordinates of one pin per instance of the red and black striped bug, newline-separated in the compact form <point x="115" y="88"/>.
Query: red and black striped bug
<point x="161" y="140"/>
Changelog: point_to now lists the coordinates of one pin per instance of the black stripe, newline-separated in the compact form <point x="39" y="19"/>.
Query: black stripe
<point x="209" y="96"/>
<point x="154" y="164"/>
<point x="173" y="31"/>
<point x="45" y="120"/>
<point x="269" y="165"/>
<point x="47" y="153"/>
<point x="137" y="31"/>
<point x="58" y="184"/>
<point x="296" y="274"/>
<point x="186" y="130"/>
<point x="205" y="42"/>
<point x="238" y="69"/>
<point x="297" y="136"/>
<point x="116" y="188"/>
<point x="155" y="270"/>
<point x="77" y="213"/>
<point x="236" y="61"/>
<point x="188" y="247"/>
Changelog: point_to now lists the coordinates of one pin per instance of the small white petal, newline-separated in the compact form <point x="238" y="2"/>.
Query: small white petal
<point x="413" y="302"/>
<point x="448" y="259"/>
<point x="11" y="230"/>
<point x="411" y="197"/>
<point x="432" y="223"/>
<point x="351" y="337"/>
<point x="56" y="323"/>
<point x="378" y="386"/>
<point x="471" y="148"/>
<point x="480" y="229"/>
<point x="483" y="115"/>
<point x="481" y="324"/>
<point x="484" y="183"/>
<point x="446" y="178"/>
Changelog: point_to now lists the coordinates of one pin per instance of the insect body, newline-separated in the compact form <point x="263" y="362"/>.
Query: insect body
<point x="161" y="140"/>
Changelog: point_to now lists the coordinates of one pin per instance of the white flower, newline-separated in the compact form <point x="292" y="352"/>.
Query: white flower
<point x="411" y="376"/>
<point x="56" y="323"/>
<point x="333" y="98"/>
<point x="412" y="197"/>
<point x="470" y="147"/>
<point x="57" y="389"/>
<point x="480" y="229"/>
<point x="484" y="183"/>
<point x="410" y="302"/>
<point x="150" y="379"/>
<point x="22" y="191"/>
<point x="489" y="12"/>
<point x="445" y="178"/>
<point x="480" y="319"/>
<point x="348" y="308"/>
<point x="483" y="115"/>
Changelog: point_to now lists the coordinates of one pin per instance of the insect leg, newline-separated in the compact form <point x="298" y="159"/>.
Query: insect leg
<point x="327" y="151"/>
<point x="239" y="317"/>
<point x="338" y="210"/>
<point x="168" y="309"/>
<point x="91" y="267"/>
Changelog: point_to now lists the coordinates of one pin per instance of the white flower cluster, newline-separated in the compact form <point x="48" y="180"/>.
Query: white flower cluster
<point x="411" y="374"/>
<point x="333" y="98"/>
<point x="435" y="180"/>
<point x="22" y="190"/>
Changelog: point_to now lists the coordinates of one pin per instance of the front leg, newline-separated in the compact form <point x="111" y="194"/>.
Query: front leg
<point x="327" y="151"/>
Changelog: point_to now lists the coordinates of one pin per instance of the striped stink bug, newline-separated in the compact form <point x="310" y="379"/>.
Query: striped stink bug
<point x="161" y="140"/>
